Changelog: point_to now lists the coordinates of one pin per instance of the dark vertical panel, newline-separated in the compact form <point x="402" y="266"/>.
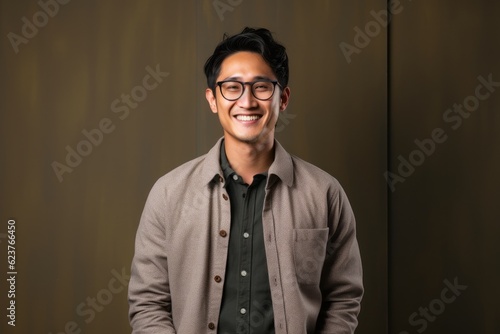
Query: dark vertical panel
<point x="445" y="216"/>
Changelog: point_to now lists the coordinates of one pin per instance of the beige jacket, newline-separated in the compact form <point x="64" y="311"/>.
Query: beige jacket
<point x="182" y="241"/>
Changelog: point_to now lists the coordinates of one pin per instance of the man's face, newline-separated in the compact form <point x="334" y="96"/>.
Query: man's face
<point x="247" y="119"/>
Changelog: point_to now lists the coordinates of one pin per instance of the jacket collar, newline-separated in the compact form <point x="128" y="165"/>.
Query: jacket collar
<point x="282" y="166"/>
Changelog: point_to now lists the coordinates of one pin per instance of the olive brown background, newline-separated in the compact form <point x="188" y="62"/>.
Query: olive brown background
<point x="367" y="98"/>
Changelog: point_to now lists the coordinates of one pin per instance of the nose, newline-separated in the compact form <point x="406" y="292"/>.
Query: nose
<point x="247" y="100"/>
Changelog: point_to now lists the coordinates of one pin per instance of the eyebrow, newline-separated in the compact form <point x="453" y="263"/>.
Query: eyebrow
<point x="258" y="77"/>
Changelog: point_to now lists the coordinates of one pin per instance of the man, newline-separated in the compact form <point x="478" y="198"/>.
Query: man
<point x="247" y="238"/>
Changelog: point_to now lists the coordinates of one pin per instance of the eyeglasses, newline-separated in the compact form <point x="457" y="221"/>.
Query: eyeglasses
<point x="262" y="90"/>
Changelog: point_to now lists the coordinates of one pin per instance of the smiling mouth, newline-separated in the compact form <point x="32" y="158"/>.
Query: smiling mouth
<point x="247" y="118"/>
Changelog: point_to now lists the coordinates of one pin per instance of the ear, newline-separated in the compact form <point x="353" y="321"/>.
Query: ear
<point x="212" y="101"/>
<point x="285" y="98"/>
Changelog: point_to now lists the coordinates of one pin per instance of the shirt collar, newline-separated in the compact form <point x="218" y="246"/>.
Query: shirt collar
<point x="211" y="165"/>
<point x="224" y="164"/>
<point x="282" y="166"/>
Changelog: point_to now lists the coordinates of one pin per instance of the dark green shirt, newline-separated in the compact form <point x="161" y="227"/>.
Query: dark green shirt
<point x="246" y="299"/>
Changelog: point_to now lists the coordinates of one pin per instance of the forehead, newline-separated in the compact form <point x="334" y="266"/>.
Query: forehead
<point x="246" y="65"/>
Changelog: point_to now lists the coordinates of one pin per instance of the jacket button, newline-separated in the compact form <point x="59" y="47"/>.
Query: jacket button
<point x="221" y="179"/>
<point x="211" y="325"/>
<point x="217" y="278"/>
<point x="223" y="233"/>
<point x="225" y="197"/>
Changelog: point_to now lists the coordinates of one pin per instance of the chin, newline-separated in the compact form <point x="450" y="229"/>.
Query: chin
<point x="248" y="139"/>
<point x="245" y="138"/>
<point x="252" y="138"/>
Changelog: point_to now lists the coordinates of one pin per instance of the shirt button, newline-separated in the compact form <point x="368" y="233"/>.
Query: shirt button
<point x="223" y="233"/>
<point x="246" y="235"/>
<point x="211" y="325"/>
<point x="243" y="273"/>
<point x="225" y="197"/>
<point x="217" y="278"/>
<point x="235" y="177"/>
<point x="243" y="311"/>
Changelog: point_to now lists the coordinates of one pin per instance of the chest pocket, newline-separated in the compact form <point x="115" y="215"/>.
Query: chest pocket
<point x="309" y="248"/>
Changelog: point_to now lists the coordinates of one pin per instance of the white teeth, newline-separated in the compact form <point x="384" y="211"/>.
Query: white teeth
<point x="247" y="118"/>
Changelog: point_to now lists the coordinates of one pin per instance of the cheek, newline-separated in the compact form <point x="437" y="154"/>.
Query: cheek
<point x="275" y="108"/>
<point x="218" y="103"/>
<point x="224" y="107"/>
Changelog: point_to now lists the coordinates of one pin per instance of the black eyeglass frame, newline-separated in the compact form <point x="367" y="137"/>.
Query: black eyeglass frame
<point x="251" y="83"/>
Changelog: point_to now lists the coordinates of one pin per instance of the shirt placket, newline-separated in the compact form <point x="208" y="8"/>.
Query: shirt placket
<point x="246" y="238"/>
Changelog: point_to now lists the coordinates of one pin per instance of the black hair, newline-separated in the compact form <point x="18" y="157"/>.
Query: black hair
<point x="260" y="41"/>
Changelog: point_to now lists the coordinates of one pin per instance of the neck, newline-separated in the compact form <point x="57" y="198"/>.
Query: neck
<point x="249" y="159"/>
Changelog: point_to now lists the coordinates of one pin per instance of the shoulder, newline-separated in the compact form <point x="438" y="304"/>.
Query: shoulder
<point x="180" y="177"/>
<point x="190" y="176"/>
<point x="189" y="168"/>
<point x="306" y="172"/>
<point x="316" y="182"/>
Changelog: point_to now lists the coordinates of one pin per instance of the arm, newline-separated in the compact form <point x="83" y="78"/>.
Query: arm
<point x="341" y="279"/>
<point x="150" y="309"/>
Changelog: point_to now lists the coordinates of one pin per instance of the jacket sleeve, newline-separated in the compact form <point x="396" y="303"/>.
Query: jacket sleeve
<point x="341" y="278"/>
<point x="150" y="309"/>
